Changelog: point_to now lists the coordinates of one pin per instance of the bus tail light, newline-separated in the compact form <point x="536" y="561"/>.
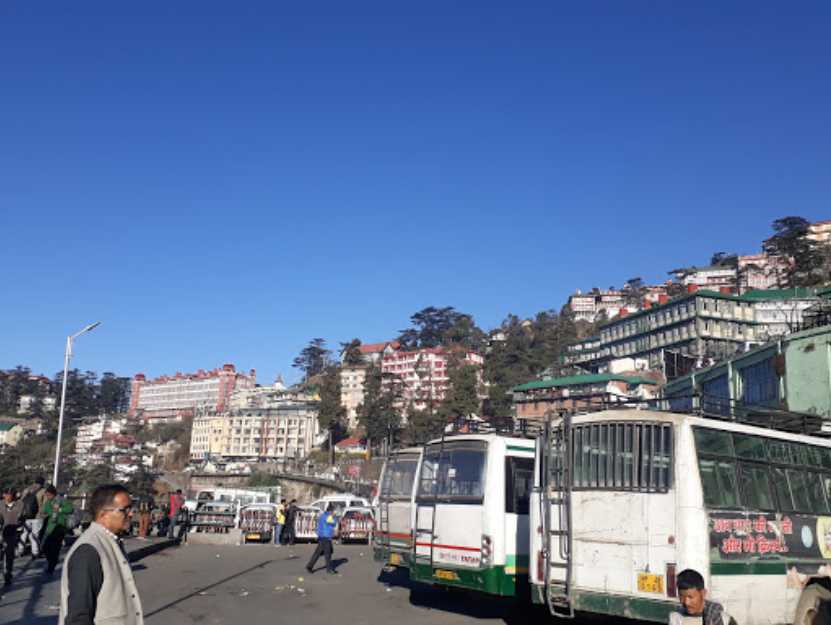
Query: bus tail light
<point x="540" y="566"/>
<point x="672" y="586"/>
<point x="486" y="550"/>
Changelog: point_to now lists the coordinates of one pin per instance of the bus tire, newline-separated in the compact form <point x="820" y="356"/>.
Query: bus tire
<point x="810" y="609"/>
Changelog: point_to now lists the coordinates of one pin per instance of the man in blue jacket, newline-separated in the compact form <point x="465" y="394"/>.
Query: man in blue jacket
<point x="326" y="523"/>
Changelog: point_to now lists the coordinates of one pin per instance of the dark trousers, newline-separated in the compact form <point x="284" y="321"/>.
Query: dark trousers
<point x="324" y="547"/>
<point x="52" y="547"/>
<point x="9" y="547"/>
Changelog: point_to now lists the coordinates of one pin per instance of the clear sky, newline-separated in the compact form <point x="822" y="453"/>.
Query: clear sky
<point x="220" y="182"/>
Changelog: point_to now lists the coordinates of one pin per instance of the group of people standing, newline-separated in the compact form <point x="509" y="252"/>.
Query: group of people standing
<point x="284" y="522"/>
<point x="39" y="516"/>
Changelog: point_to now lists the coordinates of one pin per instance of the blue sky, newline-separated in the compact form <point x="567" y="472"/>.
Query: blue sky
<point x="221" y="183"/>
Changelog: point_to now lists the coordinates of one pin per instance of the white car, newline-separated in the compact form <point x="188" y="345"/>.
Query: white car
<point x="341" y="502"/>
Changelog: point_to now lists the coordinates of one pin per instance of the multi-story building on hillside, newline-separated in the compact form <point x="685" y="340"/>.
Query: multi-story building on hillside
<point x="587" y="306"/>
<point x="820" y="232"/>
<point x="170" y="398"/>
<point x="423" y="374"/>
<point x="706" y="325"/>
<point x="715" y="278"/>
<point x="534" y="400"/>
<point x="283" y="431"/>
<point x="352" y="380"/>
<point x="352" y="377"/>
<point x="760" y="272"/>
<point x="94" y="430"/>
<point x="260" y="396"/>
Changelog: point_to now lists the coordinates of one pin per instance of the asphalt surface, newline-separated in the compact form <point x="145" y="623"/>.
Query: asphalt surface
<point x="259" y="584"/>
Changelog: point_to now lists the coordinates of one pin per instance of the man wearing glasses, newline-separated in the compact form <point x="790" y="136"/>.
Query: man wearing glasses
<point x="97" y="583"/>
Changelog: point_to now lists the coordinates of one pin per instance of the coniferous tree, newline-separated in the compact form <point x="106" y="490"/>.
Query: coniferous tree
<point x="790" y="241"/>
<point x="313" y="359"/>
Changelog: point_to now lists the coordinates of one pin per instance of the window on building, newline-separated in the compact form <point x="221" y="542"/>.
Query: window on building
<point x="760" y="384"/>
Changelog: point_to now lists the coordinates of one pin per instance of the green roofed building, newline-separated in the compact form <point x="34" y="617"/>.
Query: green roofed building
<point x="534" y="399"/>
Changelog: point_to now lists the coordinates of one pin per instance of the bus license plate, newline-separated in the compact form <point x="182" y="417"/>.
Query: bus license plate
<point x="649" y="582"/>
<point x="395" y="558"/>
<point x="253" y="537"/>
<point x="446" y="575"/>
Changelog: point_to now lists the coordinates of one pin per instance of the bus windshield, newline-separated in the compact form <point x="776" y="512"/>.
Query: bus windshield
<point x="757" y="473"/>
<point x="399" y="477"/>
<point x="458" y="475"/>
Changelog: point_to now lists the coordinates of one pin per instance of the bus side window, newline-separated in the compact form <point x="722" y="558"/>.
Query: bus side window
<point x="718" y="481"/>
<point x="519" y="480"/>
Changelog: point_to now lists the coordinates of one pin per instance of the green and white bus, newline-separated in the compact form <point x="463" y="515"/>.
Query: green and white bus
<point x="623" y="500"/>
<point x="471" y="515"/>
<point x="392" y="541"/>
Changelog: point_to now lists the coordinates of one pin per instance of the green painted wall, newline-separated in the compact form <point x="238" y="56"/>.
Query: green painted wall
<point x="808" y="372"/>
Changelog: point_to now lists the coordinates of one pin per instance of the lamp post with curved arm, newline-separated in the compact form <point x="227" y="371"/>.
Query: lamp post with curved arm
<point x="67" y="356"/>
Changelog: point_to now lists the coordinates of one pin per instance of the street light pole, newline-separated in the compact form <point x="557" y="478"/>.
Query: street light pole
<point x="67" y="356"/>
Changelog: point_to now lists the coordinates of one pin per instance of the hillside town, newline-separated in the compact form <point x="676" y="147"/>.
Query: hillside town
<point x="635" y="343"/>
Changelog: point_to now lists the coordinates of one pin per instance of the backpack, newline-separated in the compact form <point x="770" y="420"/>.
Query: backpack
<point x="30" y="507"/>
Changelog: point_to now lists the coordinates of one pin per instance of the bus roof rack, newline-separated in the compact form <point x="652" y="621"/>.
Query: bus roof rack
<point x="503" y="426"/>
<point x="723" y="409"/>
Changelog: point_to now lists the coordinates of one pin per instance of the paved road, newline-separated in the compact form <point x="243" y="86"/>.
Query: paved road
<point x="260" y="584"/>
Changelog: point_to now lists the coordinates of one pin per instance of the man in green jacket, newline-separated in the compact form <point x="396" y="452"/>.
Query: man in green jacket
<point x="56" y="513"/>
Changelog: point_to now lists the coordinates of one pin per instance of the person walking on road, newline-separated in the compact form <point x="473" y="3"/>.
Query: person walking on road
<point x="97" y="584"/>
<point x="33" y="498"/>
<point x="279" y="521"/>
<point x="11" y="518"/>
<point x="177" y="500"/>
<point x="326" y="524"/>
<point x="57" y="513"/>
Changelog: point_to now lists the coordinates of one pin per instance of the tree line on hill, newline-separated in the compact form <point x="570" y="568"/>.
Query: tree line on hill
<point x="86" y="393"/>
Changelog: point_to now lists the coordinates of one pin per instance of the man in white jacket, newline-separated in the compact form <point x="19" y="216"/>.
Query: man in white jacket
<point x="97" y="584"/>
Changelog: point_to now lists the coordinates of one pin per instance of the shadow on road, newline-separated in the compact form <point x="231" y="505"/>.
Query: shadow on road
<point x="198" y="591"/>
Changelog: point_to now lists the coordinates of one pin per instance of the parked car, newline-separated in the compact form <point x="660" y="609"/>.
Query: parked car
<point x="305" y="523"/>
<point x="257" y="522"/>
<point x="356" y="524"/>
<point x="341" y="502"/>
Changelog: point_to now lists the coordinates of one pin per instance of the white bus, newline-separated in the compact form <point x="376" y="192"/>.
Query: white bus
<point x="625" y="499"/>
<point x="471" y="518"/>
<point x="395" y="508"/>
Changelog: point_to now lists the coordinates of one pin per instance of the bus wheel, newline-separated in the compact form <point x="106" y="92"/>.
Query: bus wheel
<point x="813" y="606"/>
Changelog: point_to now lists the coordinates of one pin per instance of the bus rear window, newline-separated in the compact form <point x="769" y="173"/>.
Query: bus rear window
<point x="399" y="477"/>
<point x="457" y="474"/>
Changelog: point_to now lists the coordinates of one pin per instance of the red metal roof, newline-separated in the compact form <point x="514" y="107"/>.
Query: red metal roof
<point x="371" y="348"/>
